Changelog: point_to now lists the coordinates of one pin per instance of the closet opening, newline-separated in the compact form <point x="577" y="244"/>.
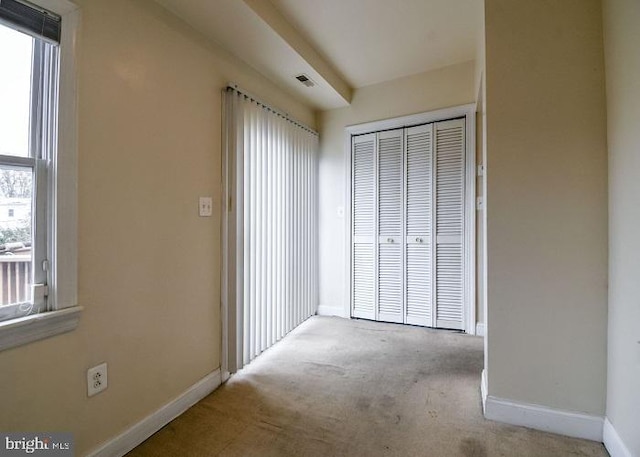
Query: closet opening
<point x="411" y="219"/>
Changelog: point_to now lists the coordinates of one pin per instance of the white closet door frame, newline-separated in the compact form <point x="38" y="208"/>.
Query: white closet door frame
<point x="466" y="111"/>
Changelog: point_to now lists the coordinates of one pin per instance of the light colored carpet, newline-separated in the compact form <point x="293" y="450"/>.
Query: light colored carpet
<point x="337" y="387"/>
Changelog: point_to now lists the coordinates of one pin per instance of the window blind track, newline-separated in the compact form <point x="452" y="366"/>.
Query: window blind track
<point x="234" y="87"/>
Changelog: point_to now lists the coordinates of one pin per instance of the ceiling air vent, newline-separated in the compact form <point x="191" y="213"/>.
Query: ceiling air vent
<point x="304" y="79"/>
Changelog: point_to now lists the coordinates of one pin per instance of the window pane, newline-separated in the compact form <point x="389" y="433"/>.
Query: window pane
<point x="16" y="186"/>
<point x="16" y="51"/>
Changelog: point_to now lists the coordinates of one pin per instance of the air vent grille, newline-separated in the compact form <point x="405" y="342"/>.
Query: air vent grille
<point x="304" y="79"/>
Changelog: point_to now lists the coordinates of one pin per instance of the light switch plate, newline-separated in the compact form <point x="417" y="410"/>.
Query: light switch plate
<point x="206" y="206"/>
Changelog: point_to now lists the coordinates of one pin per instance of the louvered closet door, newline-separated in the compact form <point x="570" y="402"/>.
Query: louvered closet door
<point x="419" y="210"/>
<point x="364" y="210"/>
<point x="390" y="226"/>
<point x="449" y="152"/>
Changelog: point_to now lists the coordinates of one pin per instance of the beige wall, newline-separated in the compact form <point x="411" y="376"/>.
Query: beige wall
<point x="546" y="203"/>
<point x="449" y="86"/>
<point x="622" y="35"/>
<point x="149" y="267"/>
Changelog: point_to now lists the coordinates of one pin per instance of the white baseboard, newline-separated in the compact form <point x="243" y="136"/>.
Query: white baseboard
<point x="136" y="434"/>
<point x="567" y="423"/>
<point x="613" y="442"/>
<point x="480" y="329"/>
<point x="483" y="391"/>
<point x="325" y="310"/>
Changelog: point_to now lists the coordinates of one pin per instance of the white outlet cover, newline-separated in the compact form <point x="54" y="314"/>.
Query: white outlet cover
<point x="96" y="379"/>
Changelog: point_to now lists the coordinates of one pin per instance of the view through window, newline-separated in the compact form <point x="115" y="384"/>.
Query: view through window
<point x="17" y="170"/>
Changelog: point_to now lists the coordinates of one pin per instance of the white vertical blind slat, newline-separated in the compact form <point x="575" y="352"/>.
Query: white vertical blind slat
<point x="268" y="169"/>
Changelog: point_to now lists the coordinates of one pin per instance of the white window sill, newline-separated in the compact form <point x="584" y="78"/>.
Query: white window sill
<point x="28" y="329"/>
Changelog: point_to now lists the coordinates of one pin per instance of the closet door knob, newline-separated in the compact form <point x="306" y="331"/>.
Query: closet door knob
<point x="389" y="240"/>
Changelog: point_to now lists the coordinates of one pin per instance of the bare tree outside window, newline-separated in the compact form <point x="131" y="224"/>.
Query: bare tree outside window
<point x="15" y="196"/>
<point x="15" y="184"/>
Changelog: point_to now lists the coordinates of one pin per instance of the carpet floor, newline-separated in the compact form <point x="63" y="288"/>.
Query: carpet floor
<point x="338" y="387"/>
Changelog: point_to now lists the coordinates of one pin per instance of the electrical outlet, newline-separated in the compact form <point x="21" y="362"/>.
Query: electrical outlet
<point x="206" y="206"/>
<point x="96" y="379"/>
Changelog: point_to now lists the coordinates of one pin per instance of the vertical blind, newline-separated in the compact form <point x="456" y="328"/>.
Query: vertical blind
<point x="272" y="162"/>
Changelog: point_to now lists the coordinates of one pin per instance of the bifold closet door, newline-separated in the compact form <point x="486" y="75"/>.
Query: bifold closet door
<point x="364" y="211"/>
<point x="419" y="225"/>
<point x="390" y="303"/>
<point x="450" y="177"/>
<point x="408" y="225"/>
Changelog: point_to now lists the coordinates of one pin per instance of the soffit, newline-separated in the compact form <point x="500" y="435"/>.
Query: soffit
<point x="372" y="41"/>
<point x="339" y="44"/>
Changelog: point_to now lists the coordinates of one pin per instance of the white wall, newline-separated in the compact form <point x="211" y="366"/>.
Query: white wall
<point x="149" y="267"/>
<point x="546" y="203"/>
<point x="449" y="86"/>
<point x="622" y="35"/>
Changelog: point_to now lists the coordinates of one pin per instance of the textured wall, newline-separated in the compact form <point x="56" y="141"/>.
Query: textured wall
<point x="149" y="267"/>
<point x="546" y="203"/>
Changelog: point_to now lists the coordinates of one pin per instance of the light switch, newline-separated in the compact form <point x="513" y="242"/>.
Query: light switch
<point x="340" y="211"/>
<point x="206" y="206"/>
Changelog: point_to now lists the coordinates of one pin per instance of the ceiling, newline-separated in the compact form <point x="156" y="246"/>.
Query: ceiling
<point x="340" y="44"/>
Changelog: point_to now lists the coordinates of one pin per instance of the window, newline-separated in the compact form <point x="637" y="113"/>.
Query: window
<point x="27" y="115"/>
<point x="37" y="284"/>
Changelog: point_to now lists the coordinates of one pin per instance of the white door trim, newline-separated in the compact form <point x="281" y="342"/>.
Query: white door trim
<point x="468" y="112"/>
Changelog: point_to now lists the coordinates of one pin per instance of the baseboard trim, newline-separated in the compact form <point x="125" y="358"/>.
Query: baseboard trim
<point x="538" y="417"/>
<point x="480" y="329"/>
<point x="613" y="442"/>
<point x="325" y="310"/>
<point x="136" y="434"/>
<point x="483" y="391"/>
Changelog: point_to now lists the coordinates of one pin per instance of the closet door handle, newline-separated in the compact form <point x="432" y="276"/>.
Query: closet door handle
<point x="389" y="240"/>
<point x="419" y="240"/>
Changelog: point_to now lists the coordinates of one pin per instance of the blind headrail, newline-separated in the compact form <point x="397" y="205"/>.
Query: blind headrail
<point x="31" y="19"/>
<point x="234" y="87"/>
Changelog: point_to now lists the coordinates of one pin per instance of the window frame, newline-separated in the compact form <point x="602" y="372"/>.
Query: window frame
<point x="62" y="312"/>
